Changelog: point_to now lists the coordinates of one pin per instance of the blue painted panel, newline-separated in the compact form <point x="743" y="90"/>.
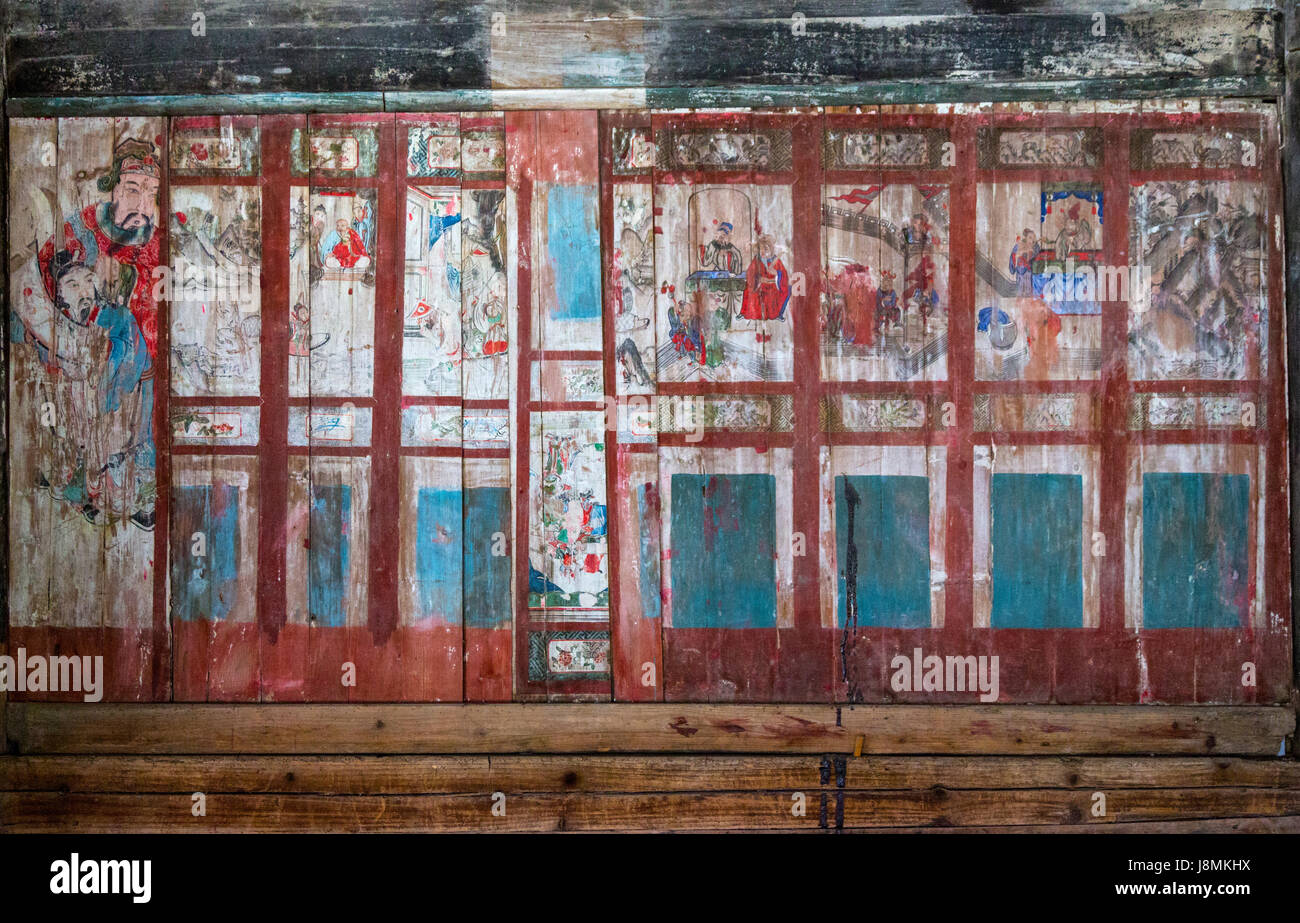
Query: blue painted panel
<point x="487" y="576"/>
<point x="723" y="537"/>
<point x="573" y="245"/>
<point x="1195" y="530"/>
<point x="647" y="507"/>
<point x="327" y="553"/>
<point x="438" y="554"/>
<point x="1037" y="546"/>
<point x="884" y="555"/>
<point x="205" y="587"/>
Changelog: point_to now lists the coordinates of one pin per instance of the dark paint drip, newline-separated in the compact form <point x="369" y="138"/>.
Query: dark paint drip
<point x="849" y="637"/>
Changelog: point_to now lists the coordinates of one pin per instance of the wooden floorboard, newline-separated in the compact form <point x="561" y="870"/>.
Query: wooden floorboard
<point x="658" y="768"/>
<point x="418" y="775"/>
<point x="57" y="812"/>
<point x="646" y="728"/>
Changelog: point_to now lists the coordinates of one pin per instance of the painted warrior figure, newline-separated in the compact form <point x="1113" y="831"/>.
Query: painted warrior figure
<point x="90" y="317"/>
<point x="856" y="285"/>
<point x="918" y="249"/>
<point x="767" y="284"/>
<point x="116" y="238"/>
<point x="887" y="310"/>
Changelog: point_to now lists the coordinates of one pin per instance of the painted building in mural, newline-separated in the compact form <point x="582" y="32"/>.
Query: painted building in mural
<point x="643" y="405"/>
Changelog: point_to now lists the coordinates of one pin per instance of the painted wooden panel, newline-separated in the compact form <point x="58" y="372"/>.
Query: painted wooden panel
<point x="654" y="405"/>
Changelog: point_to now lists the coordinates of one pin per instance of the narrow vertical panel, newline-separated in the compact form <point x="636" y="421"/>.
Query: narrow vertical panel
<point x="328" y="552"/>
<point x="627" y="232"/>
<point x="431" y="588"/>
<point x="327" y="568"/>
<point x="85" y="331"/>
<point x="282" y="654"/>
<point x="215" y="255"/>
<point x="488" y="576"/>
<point x="213" y="569"/>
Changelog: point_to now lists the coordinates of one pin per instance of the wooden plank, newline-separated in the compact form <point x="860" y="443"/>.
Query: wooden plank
<point x="412" y="775"/>
<point x="247" y="48"/>
<point x="1291" y="187"/>
<point x="47" y="812"/>
<point x="62" y="728"/>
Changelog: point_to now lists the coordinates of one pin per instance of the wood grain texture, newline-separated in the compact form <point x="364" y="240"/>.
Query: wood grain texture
<point x="1170" y="730"/>
<point x="454" y="774"/>
<point x="49" y="812"/>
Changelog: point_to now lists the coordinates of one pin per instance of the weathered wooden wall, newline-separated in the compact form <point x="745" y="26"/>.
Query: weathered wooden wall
<point x="328" y="567"/>
<point x="407" y="394"/>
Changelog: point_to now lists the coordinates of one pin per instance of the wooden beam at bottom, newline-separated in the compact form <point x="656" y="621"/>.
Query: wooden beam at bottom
<point x="810" y="810"/>
<point x="424" y="775"/>
<point x="632" y="728"/>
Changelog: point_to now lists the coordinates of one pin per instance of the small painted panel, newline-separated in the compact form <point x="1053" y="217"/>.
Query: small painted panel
<point x="1041" y="275"/>
<point x="1154" y="148"/>
<point x="1017" y="147"/>
<point x="336" y="151"/>
<point x="332" y="292"/>
<point x="328" y="426"/>
<point x="698" y="149"/>
<point x="431" y="328"/>
<point x="221" y="146"/>
<point x="569" y="550"/>
<point x="206" y="551"/>
<point x="1036" y="534"/>
<point x="882" y="539"/>
<point x="885" y="297"/>
<point x="633" y="288"/>
<point x="215" y="425"/>
<point x="433" y="150"/>
<point x="723" y="547"/>
<point x="891" y="149"/>
<point x="328" y="553"/>
<point x="1199" y="308"/>
<point x="726" y="298"/>
<point x="1195" y="544"/>
<point x="558" y="656"/>
<point x="852" y="413"/>
<point x="488" y="577"/>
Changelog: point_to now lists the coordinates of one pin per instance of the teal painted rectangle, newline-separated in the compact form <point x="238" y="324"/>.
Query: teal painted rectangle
<point x="647" y="519"/>
<point x="487" y="575"/>
<point x="1036" y="535"/>
<point x="204" y="586"/>
<point x="723" y="536"/>
<point x="327" y="553"/>
<point x="882" y="540"/>
<point x="573" y="247"/>
<point x="438" y="555"/>
<point x="1195" y="534"/>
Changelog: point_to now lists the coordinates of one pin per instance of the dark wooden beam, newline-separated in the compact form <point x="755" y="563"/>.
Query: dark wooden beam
<point x="925" y="50"/>
<point x="642" y="728"/>
<point x="1291" y="210"/>
<point x="112" y="812"/>
<point x="482" y="774"/>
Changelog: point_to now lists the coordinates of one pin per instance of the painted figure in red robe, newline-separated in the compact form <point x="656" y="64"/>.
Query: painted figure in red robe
<point x="344" y="248"/>
<point x="767" y="284"/>
<point x="857" y="285"/>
